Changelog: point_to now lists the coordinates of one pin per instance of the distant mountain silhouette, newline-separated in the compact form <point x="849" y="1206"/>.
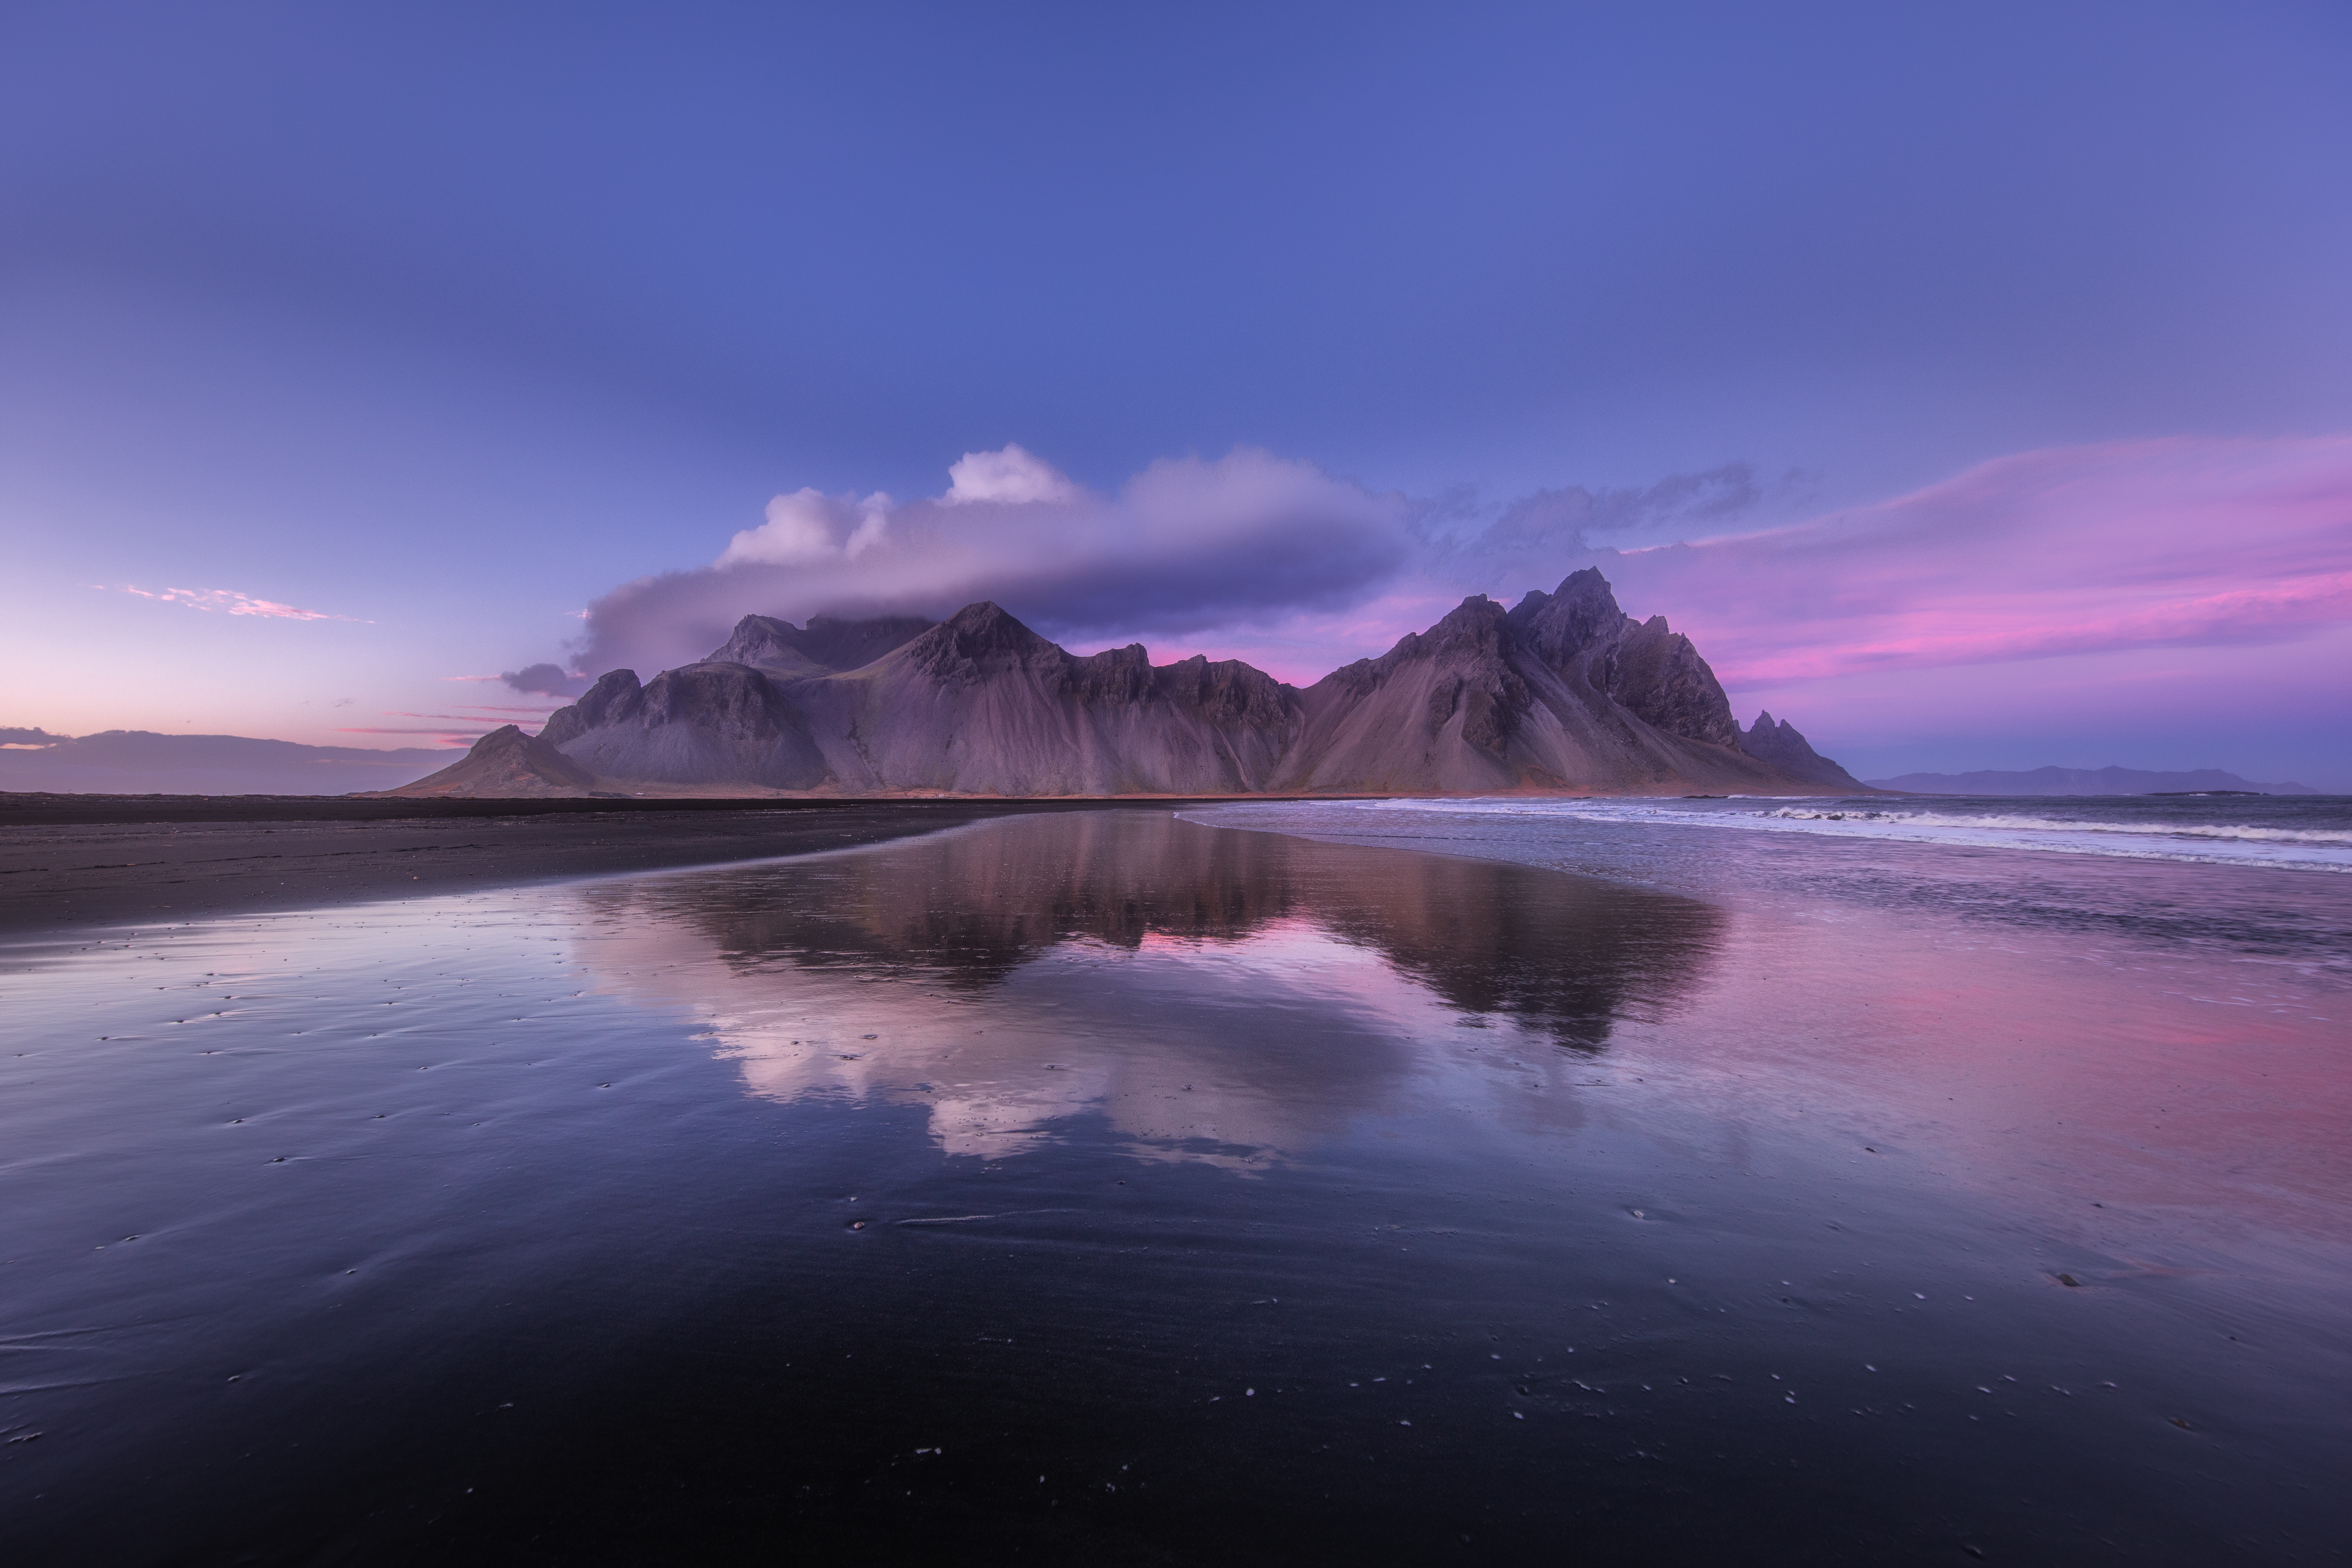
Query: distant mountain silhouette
<point x="141" y="762"/>
<point x="2082" y="781"/>
<point x="1562" y="692"/>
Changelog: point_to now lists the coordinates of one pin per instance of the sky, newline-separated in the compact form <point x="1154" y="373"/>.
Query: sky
<point x="1973" y="384"/>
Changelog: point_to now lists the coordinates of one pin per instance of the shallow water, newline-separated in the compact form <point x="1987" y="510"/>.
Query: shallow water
<point x="1120" y="1188"/>
<point x="2304" y="833"/>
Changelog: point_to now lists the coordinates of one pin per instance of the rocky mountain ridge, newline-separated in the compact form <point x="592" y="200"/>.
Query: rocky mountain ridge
<point x="1562" y="692"/>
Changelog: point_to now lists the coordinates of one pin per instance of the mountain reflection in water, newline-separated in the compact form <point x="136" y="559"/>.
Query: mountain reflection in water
<point x="1141" y="965"/>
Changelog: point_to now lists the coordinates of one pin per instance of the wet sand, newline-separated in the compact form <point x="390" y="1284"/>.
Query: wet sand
<point x="71" y="861"/>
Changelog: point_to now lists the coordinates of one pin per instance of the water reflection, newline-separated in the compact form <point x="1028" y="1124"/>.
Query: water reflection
<point x="1217" y="995"/>
<point x="369" y="1236"/>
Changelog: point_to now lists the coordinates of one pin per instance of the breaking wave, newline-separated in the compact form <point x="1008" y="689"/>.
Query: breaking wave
<point x="2164" y="833"/>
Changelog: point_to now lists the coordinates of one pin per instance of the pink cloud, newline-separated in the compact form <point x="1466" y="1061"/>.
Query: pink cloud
<point x="452" y="731"/>
<point x="235" y="602"/>
<point x="483" y="713"/>
<point x="2170" y="543"/>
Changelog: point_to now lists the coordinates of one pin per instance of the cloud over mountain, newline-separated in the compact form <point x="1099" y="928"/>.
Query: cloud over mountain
<point x="1186" y="545"/>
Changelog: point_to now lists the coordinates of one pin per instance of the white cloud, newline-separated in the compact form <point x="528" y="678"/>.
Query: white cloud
<point x="1009" y="476"/>
<point x="810" y="526"/>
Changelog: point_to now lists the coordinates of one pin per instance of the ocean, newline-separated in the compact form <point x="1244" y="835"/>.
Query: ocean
<point x="2292" y="833"/>
<point x="1843" y="1181"/>
<point x="2184" y="873"/>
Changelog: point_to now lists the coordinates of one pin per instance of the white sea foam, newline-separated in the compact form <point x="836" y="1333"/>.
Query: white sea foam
<point x="2309" y="848"/>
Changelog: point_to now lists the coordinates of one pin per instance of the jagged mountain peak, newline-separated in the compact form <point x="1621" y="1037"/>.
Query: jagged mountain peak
<point x="763" y="641"/>
<point x="827" y="644"/>
<point x="1477" y="620"/>
<point x="1768" y="728"/>
<point x="977" y="637"/>
<point x="1580" y="615"/>
<point x="1778" y="742"/>
<point x="1562" y="690"/>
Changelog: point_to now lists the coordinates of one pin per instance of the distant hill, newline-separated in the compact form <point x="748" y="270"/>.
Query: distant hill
<point x="2082" y="781"/>
<point x="508" y="764"/>
<point x="141" y="762"/>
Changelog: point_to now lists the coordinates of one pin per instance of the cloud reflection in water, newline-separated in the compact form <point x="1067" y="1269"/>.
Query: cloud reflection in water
<point x="1216" y="995"/>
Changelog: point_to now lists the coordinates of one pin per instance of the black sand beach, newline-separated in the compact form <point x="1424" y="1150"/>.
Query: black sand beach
<point x="1099" y="1187"/>
<point x="79" y="858"/>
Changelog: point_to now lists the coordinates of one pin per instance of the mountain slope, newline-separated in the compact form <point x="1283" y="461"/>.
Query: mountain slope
<point x="713" y="723"/>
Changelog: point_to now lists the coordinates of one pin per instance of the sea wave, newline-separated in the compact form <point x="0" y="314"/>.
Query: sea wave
<point x="2195" y="843"/>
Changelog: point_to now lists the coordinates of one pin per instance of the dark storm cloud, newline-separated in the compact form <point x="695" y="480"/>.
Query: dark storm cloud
<point x="547" y="679"/>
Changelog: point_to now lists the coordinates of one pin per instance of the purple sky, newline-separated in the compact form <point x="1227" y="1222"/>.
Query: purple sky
<point x="1974" y="385"/>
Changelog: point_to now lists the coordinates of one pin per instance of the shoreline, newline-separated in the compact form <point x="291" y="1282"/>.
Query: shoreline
<point x="55" y="808"/>
<point x="77" y="860"/>
<point x="143" y="862"/>
<point x="49" y="807"/>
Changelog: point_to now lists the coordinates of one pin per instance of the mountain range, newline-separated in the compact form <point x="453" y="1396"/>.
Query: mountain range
<point x="1561" y="692"/>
